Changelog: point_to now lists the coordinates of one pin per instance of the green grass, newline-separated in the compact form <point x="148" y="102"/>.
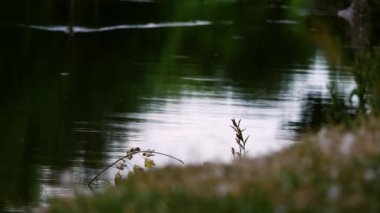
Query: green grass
<point x="332" y="170"/>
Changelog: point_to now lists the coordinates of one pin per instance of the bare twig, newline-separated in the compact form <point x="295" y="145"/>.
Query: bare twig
<point x="129" y="155"/>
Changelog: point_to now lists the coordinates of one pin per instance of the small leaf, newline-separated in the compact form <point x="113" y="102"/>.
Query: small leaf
<point x="120" y="166"/>
<point x="239" y="136"/>
<point x="234" y="122"/>
<point x="133" y="150"/>
<point x="148" y="154"/>
<point x="149" y="163"/>
<point x="118" y="179"/>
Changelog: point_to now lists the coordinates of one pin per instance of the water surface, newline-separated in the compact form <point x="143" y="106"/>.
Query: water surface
<point x="80" y="86"/>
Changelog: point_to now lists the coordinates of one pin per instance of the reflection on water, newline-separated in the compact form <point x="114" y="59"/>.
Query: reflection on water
<point x="70" y="105"/>
<point x="76" y="29"/>
<point x="195" y="124"/>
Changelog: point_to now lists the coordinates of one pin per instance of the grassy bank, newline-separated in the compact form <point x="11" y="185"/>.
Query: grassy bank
<point x="332" y="170"/>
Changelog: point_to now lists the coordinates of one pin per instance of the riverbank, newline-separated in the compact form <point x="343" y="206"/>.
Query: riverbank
<point x="333" y="170"/>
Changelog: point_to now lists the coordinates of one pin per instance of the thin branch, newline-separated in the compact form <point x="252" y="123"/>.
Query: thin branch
<point x="126" y="156"/>
<point x="163" y="154"/>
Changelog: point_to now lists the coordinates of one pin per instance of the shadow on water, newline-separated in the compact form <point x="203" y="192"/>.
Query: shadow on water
<point x="170" y="79"/>
<point x="319" y="110"/>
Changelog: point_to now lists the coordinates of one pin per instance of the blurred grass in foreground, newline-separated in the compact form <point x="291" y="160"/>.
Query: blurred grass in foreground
<point x="332" y="170"/>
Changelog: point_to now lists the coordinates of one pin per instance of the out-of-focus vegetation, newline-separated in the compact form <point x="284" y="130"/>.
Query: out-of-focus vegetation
<point x="334" y="170"/>
<point x="340" y="109"/>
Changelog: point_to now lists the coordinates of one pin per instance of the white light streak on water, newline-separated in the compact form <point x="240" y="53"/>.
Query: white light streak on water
<point x="79" y="29"/>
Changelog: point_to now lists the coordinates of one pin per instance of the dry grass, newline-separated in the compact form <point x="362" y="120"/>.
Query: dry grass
<point x="333" y="170"/>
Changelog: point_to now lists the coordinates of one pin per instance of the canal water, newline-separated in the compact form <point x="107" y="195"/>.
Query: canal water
<point x="81" y="82"/>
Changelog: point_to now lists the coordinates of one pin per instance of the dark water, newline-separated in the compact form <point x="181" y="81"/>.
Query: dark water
<point x="81" y="82"/>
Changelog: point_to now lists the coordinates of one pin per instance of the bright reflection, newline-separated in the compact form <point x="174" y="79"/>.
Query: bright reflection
<point x="196" y="126"/>
<point x="78" y="29"/>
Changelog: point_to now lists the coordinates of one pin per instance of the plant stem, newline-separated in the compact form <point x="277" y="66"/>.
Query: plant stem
<point x="126" y="156"/>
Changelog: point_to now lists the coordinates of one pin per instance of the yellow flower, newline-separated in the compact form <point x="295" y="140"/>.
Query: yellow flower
<point x="149" y="163"/>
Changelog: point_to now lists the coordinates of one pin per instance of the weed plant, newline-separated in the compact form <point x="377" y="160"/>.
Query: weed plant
<point x="240" y="140"/>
